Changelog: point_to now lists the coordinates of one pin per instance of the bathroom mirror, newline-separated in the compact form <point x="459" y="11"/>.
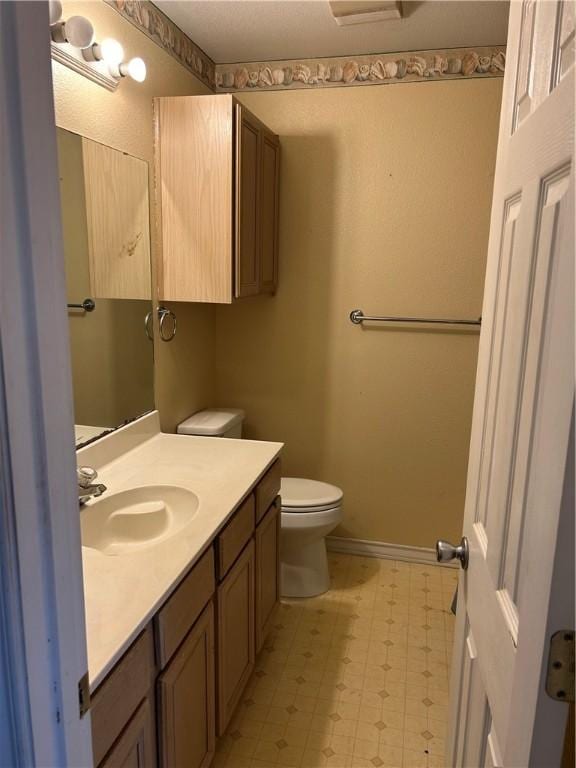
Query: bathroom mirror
<point x="106" y="233"/>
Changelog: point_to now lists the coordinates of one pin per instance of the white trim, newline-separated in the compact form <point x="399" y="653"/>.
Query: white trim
<point x="383" y="550"/>
<point x="72" y="58"/>
<point x="43" y="613"/>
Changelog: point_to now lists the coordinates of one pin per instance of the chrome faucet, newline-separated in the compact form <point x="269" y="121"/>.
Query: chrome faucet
<point x="87" y="488"/>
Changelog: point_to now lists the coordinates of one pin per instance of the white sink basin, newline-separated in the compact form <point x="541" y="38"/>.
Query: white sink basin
<point x="139" y="518"/>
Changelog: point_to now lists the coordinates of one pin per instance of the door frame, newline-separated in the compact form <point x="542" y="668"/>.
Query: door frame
<point x="43" y="652"/>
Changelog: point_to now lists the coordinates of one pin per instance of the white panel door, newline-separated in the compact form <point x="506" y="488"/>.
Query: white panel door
<point x="524" y="400"/>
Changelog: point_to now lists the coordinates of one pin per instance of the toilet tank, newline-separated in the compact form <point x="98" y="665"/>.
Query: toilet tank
<point x="217" y="422"/>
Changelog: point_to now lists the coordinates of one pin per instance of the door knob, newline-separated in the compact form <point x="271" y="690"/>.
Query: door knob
<point x="445" y="552"/>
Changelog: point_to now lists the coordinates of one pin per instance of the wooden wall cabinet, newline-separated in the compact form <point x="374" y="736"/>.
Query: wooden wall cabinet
<point x="269" y="211"/>
<point x="217" y="177"/>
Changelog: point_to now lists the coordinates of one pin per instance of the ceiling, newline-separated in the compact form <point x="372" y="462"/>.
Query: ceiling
<point x="260" y="30"/>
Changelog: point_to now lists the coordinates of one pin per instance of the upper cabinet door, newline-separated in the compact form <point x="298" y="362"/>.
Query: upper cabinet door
<point x="269" y="183"/>
<point x="194" y="177"/>
<point x="247" y="276"/>
<point x="117" y="222"/>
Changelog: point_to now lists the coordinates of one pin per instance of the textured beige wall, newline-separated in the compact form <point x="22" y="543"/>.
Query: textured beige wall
<point x="184" y="371"/>
<point x="385" y="201"/>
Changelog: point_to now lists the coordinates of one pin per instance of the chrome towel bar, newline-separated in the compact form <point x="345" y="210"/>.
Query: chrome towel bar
<point x="358" y="317"/>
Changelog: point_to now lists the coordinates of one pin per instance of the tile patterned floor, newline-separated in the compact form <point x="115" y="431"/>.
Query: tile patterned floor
<point x="357" y="677"/>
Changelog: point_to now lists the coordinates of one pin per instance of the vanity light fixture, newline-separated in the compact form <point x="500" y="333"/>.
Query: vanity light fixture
<point x="55" y="11"/>
<point x="109" y="51"/>
<point x="77" y="30"/>
<point x="136" y="69"/>
<point x="73" y="45"/>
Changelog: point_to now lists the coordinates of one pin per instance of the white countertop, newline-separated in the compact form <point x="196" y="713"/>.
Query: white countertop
<point x="84" y="432"/>
<point x="123" y="592"/>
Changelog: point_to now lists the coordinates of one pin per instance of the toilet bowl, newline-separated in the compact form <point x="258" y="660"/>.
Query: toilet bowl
<point x="310" y="511"/>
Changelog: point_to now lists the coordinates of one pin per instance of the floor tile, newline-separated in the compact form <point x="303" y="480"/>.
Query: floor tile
<point x="355" y="678"/>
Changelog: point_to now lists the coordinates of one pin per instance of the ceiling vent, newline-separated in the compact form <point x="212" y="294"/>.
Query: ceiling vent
<point x="359" y="12"/>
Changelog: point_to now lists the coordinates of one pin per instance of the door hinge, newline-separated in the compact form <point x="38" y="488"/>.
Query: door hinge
<point x="84" y="695"/>
<point x="560" y="675"/>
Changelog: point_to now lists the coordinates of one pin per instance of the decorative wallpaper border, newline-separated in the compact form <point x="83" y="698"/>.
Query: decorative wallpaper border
<point x="150" y="20"/>
<point x="375" y="69"/>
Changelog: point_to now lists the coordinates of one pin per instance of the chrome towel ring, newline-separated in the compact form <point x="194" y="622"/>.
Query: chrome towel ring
<point x="148" y="327"/>
<point x="166" y="333"/>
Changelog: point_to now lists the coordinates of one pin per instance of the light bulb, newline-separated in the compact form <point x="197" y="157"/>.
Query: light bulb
<point x="55" y="11"/>
<point x="78" y="31"/>
<point x="136" y="68"/>
<point x="112" y="52"/>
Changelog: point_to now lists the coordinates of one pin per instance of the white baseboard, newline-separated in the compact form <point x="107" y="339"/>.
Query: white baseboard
<point x="383" y="550"/>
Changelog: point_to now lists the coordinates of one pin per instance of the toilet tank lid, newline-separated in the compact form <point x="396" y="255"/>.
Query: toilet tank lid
<point x="298" y="492"/>
<point x="213" y="422"/>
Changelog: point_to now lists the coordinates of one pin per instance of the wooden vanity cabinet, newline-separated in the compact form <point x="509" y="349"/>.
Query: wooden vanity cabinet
<point x="122" y="707"/>
<point x="178" y="685"/>
<point x="267" y="543"/>
<point x="236" y="649"/>
<point x="268" y="489"/>
<point x="177" y="616"/>
<point x="217" y="177"/>
<point x="186" y="700"/>
<point x="186" y="687"/>
<point x="136" y="746"/>
<point x="235" y="536"/>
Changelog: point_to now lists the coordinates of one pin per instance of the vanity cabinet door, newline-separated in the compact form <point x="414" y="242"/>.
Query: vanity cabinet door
<point x="267" y="572"/>
<point x="186" y="700"/>
<point x="247" y="277"/>
<point x="269" y="183"/>
<point x="136" y="746"/>
<point x="120" y="695"/>
<point x="236" y="647"/>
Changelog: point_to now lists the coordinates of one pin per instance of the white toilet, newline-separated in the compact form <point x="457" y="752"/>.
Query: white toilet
<point x="217" y="422"/>
<point x="310" y="511"/>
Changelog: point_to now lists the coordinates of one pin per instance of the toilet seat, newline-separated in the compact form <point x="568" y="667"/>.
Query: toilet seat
<point x="311" y="518"/>
<point x="301" y="496"/>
